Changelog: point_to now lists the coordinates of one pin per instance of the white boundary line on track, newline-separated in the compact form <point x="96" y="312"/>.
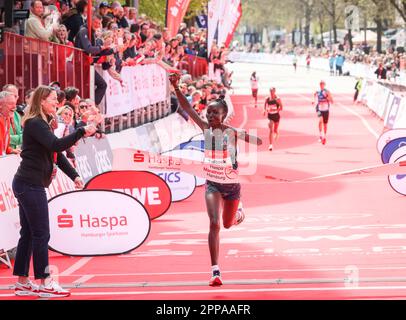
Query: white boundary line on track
<point x="352" y="289"/>
<point x="225" y="272"/>
<point x="76" y="266"/>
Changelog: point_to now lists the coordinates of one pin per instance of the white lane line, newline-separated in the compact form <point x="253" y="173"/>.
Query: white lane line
<point x="245" y="290"/>
<point x="84" y="278"/>
<point x="76" y="266"/>
<point x="363" y="120"/>
<point x="230" y="271"/>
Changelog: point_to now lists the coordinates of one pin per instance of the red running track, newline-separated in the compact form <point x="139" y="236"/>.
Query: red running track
<point x="341" y="239"/>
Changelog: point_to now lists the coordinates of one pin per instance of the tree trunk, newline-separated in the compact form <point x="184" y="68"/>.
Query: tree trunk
<point x="350" y="38"/>
<point x="301" y="33"/>
<point x="379" y="32"/>
<point x="335" y="32"/>
<point x="308" y="17"/>
<point x="321" y="32"/>
<point x="333" y="17"/>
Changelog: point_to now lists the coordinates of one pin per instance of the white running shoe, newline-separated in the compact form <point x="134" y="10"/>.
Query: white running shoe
<point x="52" y="290"/>
<point x="28" y="289"/>
<point x="240" y="216"/>
<point x="270" y="147"/>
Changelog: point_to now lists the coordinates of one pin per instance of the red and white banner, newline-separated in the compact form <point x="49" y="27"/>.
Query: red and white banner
<point x="152" y="191"/>
<point x="141" y="87"/>
<point x="232" y="12"/>
<point x="96" y="222"/>
<point x="175" y="11"/>
<point x="215" y="9"/>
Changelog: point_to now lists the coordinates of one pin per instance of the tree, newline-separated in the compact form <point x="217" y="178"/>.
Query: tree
<point x="400" y="7"/>
<point x="334" y="8"/>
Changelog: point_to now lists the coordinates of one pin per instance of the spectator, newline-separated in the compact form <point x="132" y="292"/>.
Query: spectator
<point x="7" y="108"/>
<point x="16" y="131"/>
<point x="132" y="16"/>
<point x="104" y="8"/>
<point x="144" y="32"/>
<point x="82" y="41"/>
<point x="331" y="62"/>
<point x="339" y="64"/>
<point x="118" y="13"/>
<point x="75" y="19"/>
<point x="35" y="25"/>
<point x="65" y="128"/>
<point x="381" y="72"/>
<point x="21" y="108"/>
<point x="61" y="97"/>
<point x="72" y="100"/>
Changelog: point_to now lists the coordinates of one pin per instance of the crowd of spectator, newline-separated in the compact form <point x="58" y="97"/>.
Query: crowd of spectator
<point x="390" y="61"/>
<point x="119" y="37"/>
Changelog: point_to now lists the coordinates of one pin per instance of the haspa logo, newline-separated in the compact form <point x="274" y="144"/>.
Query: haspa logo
<point x="139" y="157"/>
<point x="65" y="220"/>
<point x="152" y="191"/>
<point x="87" y="221"/>
<point x="97" y="222"/>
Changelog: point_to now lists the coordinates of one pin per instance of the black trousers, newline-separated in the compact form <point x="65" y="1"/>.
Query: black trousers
<point x="34" y="233"/>
<point x="101" y="87"/>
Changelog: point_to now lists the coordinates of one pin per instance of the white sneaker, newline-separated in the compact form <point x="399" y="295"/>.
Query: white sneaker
<point x="26" y="290"/>
<point x="240" y="216"/>
<point x="52" y="290"/>
<point x="270" y="147"/>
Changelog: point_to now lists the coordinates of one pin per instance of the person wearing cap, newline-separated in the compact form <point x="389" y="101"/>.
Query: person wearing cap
<point x="104" y="8"/>
<point x="323" y="99"/>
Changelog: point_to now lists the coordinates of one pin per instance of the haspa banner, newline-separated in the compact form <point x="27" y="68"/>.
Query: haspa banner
<point x="175" y="11"/>
<point x="96" y="222"/>
<point x="152" y="191"/>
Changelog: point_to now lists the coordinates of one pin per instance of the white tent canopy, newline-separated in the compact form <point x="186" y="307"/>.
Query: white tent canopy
<point x="359" y="37"/>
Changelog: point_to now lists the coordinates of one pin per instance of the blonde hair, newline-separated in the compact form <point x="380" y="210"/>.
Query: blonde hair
<point x="64" y="108"/>
<point x="35" y="109"/>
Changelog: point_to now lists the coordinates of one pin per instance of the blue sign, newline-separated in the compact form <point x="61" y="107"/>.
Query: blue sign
<point x="202" y="21"/>
<point x="191" y="145"/>
<point x="391" y="147"/>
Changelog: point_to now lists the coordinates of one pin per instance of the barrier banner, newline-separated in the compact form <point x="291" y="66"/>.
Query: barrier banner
<point x="96" y="222"/>
<point x="146" y="187"/>
<point x="182" y="184"/>
<point x="9" y="217"/>
<point x="392" y="112"/>
<point x="400" y="122"/>
<point x="141" y="86"/>
<point x="93" y="157"/>
<point x="398" y="181"/>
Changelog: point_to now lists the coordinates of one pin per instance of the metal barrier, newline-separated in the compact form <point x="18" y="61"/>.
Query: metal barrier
<point x="197" y="66"/>
<point x="28" y="62"/>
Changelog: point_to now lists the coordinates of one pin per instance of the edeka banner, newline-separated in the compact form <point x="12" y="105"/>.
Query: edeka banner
<point x="9" y="218"/>
<point x="152" y="191"/>
<point x="93" y="157"/>
<point x="141" y="86"/>
<point x="175" y="11"/>
<point x="182" y="184"/>
<point x="97" y="222"/>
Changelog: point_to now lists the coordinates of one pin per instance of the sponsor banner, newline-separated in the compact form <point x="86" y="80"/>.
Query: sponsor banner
<point x="215" y="9"/>
<point x="129" y="159"/>
<point x="182" y="184"/>
<point x="175" y="11"/>
<point x="93" y="157"/>
<point x="124" y="139"/>
<point x="141" y="87"/>
<point x="146" y="187"/>
<point x="201" y="21"/>
<point x="401" y="117"/>
<point x="398" y="181"/>
<point x="391" y="147"/>
<point x="189" y="152"/>
<point x="9" y="217"/>
<point x="191" y="145"/>
<point x="96" y="222"/>
<point x="392" y="113"/>
<point x="228" y="21"/>
<point x="388" y="136"/>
